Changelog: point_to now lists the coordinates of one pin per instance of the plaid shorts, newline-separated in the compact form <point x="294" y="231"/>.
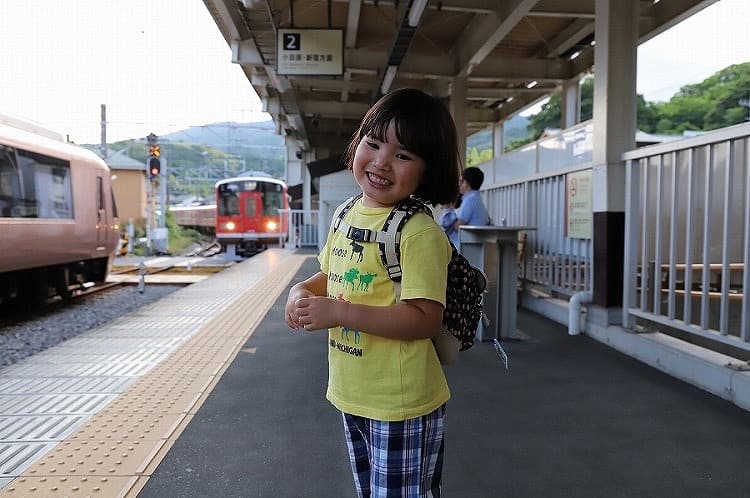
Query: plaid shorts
<point x="396" y="459"/>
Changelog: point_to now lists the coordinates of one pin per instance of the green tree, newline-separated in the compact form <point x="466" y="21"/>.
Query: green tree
<point x="474" y="157"/>
<point x="551" y="114"/>
<point x="646" y="115"/>
<point x="713" y="103"/>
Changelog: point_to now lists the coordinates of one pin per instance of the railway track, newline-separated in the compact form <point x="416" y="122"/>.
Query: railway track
<point x="207" y="249"/>
<point x="14" y="312"/>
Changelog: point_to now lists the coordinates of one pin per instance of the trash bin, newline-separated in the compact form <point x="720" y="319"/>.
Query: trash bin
<point x="494" y="250"/>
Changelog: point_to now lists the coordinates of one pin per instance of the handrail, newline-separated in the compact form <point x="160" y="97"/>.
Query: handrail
<point x="712" y="137"/>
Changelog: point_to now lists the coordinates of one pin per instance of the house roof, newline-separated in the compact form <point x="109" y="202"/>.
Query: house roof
<point x="120" y="160"/>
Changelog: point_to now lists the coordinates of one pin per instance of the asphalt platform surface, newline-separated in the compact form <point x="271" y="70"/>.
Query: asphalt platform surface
<point x="571" y="418"/>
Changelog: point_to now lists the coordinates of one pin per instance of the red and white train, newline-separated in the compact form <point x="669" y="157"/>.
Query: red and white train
<point x="58" y="220"/>
<point x="247" y="212"/>
<point x="246" y="215"/>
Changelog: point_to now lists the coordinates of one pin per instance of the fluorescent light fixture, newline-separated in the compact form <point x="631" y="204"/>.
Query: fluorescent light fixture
<point x="574" y="55"/>
<point x="415" y="12"/>
<point x="509" y="100"/>
<point x="532" y="84"/>
<point x="390" y="73"/>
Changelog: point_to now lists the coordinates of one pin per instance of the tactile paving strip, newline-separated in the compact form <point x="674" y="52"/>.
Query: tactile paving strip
<point x="116" y="450"/>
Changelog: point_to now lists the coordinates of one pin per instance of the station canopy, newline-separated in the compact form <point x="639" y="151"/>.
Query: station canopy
<point x="318" y="65"/>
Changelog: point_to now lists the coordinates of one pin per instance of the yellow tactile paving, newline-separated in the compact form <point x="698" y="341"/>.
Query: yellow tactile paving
<point x="70" y="486"/>
<point x="120" y="447"/>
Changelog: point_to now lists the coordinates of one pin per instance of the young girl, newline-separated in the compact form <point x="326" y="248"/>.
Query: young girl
<point x="384" y="375"/>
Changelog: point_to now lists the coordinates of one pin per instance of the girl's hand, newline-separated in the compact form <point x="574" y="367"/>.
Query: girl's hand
<point x="313" y="286"/>
<point x="290" y="310"/>
<point x="315" y="313"/>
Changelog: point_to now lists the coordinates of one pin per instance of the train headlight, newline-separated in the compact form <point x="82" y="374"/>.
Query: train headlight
<point x="230" y="225"/>
<point x="271" y="226"/>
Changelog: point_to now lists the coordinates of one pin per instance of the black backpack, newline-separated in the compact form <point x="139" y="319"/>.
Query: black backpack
<point x="466" y="284"/>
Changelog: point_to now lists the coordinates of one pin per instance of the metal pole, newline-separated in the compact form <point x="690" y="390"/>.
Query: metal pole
<point x="103" y="146"/>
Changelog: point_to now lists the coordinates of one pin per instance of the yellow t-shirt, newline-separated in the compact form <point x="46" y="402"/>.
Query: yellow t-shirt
<point x="371" y="376"/>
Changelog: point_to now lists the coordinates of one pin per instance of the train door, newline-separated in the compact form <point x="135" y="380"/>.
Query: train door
<point x="250" y="215"/>
<point x="102" y="224"/>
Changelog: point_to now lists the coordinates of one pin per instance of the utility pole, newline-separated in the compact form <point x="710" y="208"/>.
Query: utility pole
<point x="103" y="141"/>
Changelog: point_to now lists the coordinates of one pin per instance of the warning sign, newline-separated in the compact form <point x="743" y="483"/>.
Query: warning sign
<point x="578" y="205"/>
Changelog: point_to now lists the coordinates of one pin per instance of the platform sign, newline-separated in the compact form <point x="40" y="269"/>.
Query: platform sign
<point x="312" y="52"/>
<point x="578" y="212"/>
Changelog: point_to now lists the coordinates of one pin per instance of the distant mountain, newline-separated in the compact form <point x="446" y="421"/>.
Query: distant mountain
<point x="228" y="136"/>
<point x="515" y="128"/>
<point x="201" y="155"/>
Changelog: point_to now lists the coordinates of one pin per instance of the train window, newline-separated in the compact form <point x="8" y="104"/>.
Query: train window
<point x="9" y="186"/>
<point x="45" y="188"/>
<point x="273" y="199"/>
<point x="99" y="193"/>
<point x="272" y="203"/>
<point x="229" y="203"/>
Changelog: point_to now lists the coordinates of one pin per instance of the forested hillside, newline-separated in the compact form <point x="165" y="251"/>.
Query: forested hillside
<point x="721" y="100"/>
<point x="201" y="155"/>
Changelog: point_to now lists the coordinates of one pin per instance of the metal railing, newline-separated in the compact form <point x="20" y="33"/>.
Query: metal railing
<point x="527" y="187"/>
<point x="302" y="227"/>
<point x="687" y="240"/>
<point x="549" y="258"/>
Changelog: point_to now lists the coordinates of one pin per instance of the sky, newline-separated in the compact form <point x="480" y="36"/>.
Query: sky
<point x="162" y="65"/>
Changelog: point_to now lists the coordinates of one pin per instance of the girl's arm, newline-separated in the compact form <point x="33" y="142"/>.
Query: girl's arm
<point x="407" y="320"/>
<point x="313" y="286"/>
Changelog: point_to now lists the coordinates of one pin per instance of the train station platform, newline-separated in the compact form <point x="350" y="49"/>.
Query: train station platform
<point x="235" y="407"/>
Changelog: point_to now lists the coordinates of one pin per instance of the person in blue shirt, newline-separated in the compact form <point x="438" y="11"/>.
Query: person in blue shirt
<point x="448" y="220"/>
<point x="472" y="210"/>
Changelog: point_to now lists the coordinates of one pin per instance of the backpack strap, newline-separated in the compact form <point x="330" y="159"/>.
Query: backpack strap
<point x="390" y="248"/>
<point x="355" y="233"/>
<point x="338" y="215"/>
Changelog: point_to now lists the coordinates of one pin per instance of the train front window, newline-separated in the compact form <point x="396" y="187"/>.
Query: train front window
<point x="272" y="199"/>
<point x="228" y="202"/>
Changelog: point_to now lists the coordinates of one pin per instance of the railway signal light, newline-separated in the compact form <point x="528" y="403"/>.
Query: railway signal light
<point x="153" y="161"/>
<point x="154" y="167"/>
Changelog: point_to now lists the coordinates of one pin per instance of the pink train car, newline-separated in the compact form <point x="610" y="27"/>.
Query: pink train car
<point x="58" y="219"/>
<point x="202" y="217"/>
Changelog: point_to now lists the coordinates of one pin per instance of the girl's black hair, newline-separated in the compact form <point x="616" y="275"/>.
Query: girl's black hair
<point x="423" y="126"/>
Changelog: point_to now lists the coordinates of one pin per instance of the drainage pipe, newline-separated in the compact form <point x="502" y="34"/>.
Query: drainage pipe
<point x="574" y="310"/>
